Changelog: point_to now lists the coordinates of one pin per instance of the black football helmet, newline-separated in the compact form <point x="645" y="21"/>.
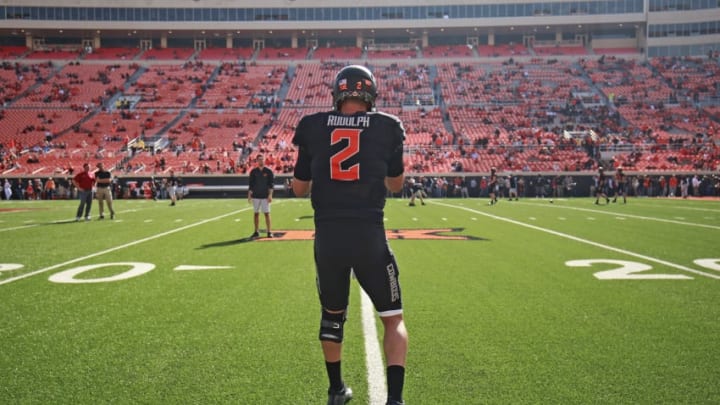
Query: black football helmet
<point x="354" y="81"/>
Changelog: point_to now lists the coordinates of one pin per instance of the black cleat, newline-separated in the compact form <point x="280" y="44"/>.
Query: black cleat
<point x="339" y="397"/>
<point x="394" y="402"/>
<point x="255" y="235"/>
<point x="269" y="235"/>
<point x="411" y="205"/>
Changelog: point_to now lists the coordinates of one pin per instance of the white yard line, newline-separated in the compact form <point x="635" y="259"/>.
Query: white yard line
<point x="15" y="228"/>
<point x="373" y="353"/>
<point x="596" y="211"/>
<point x="112" y="249"/>
<point x="581" y="240"/>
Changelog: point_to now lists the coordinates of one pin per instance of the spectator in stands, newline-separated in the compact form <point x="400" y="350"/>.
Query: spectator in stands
<point x="84" y="182"/>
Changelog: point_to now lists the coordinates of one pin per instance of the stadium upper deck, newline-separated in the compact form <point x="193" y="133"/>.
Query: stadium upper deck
<point x="654" y="27"/>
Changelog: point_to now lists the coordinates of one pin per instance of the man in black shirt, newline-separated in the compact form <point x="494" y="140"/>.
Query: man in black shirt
<point x="103" y="191"/>
<point x="260" y="193"/>
<point x="349" y="158"/>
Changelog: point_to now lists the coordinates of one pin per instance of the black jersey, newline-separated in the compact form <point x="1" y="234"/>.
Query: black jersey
<point x="261" y="181"/>
<point x="347" y="157"/>
<point x="602" y="180"/>
<point x="619" y="179"/>
<point x="493" y="181"/>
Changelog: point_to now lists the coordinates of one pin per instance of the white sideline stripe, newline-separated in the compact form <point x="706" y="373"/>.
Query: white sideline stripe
<point x="670" y="221"/>
<point x="581" y="240"/>
<point x="373" y="355"/>
<point x="112" y="249"/>
<point x="680" y="207"/>
<point x="191" y="267"/>
<point x="18" y="227"/>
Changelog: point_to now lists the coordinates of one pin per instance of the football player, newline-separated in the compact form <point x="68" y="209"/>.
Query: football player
<point x="493" y="186"/>
<point x="620" y="185"/>
<point x="416" y="191"/>
<point x="601" y="185"/>
<point x="347" y="160"/>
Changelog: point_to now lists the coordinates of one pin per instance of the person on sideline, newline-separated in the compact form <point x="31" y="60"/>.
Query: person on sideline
<point x="260" y="193"/>
<point x="7" y="189"/>
<point x="600" y="187"/>
<point x="172" y="188"/>
<point x="49" y="188"/>
<point x="103" y="191"/>
<point x="84" y="182"/>
<point x="620" y="185"/>
<point x="348" y="181"/>
<point x="416" y="191"/>
<point x="493" y="186"/>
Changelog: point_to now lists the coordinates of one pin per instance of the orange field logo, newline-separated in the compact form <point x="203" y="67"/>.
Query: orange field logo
<point x="403" y="234"/>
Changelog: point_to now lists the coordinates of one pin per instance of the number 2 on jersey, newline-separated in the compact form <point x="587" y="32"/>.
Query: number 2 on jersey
<point x="353" y="147"/>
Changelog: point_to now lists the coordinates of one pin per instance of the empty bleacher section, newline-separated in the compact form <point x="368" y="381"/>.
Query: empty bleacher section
<point x="167" y="54"/>
<point x="241" y="85"/>
<point x="448" y="51"/>
<point x="337" y="53"/>
<point x="226" y="54"/>
<point x="170" y="85"/>
<point x="110" y="54"/>
<point x="282" y="53"/>
<point x="77" y="86"/>
<point x="12" y="52"/>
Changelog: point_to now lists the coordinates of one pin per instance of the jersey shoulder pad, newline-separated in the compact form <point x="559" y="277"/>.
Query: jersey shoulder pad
<point x="392" y="121"/>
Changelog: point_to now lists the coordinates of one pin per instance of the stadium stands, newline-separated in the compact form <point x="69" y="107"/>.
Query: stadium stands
<point x="210" y="113"/>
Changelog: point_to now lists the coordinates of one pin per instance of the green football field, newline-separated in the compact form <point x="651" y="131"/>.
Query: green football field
<point x="524" y="302"/>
